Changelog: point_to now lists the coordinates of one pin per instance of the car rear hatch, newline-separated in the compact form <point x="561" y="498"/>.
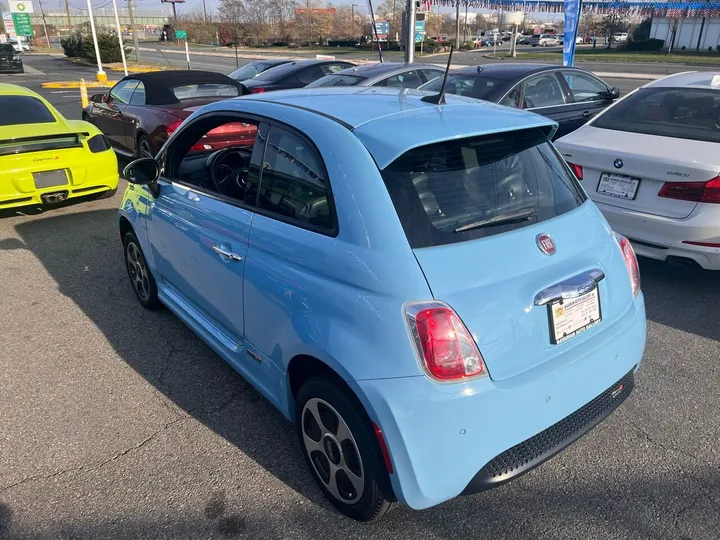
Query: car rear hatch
<point x="628" y="170"/>
<point x="464" y="207"/>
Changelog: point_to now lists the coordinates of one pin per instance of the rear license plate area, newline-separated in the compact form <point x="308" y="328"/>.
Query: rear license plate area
<point x="569" y="317"/>
<point x="46" y="179"/>
<point x="619" y="186"/>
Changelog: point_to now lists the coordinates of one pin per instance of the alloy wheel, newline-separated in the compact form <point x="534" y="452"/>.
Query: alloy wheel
<point x="333" y="451"/>
<point x="138" y="271"/>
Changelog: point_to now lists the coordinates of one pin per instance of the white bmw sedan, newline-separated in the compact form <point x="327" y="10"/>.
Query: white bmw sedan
<point x="651" y="163"/>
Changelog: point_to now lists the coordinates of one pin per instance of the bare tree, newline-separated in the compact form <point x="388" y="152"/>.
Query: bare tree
<point x="282" y="17"/>
<point x="232" y="11"/>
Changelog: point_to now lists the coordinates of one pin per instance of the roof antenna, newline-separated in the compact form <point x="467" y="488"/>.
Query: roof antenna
<point x="439" y="99"/>
<point x="374" y="31"/>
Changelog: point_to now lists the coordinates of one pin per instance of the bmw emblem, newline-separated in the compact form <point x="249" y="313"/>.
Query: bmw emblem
<point x="618" y="163"/>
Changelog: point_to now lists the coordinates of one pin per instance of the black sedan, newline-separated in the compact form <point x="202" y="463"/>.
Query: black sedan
<point x="253" y="69"/>
<point x="296" y="74"/>
<point x="570" y="96"/>
<point x="10" y="59"/>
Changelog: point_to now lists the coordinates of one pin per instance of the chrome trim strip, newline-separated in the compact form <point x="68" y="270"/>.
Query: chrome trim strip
<point x="570" y="288"/>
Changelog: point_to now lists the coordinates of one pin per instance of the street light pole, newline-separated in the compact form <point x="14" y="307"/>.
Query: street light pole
<point x="352" y="20"/>
<point x="205" y="10"/>
<point x="410" y="32"/>
<point x="100" y="75"/>
<point x="120" y="39"/>
<point x="457" y="24"/>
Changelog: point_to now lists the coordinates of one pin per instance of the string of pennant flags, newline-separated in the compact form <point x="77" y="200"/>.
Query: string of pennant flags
<point x="642" y="9"/>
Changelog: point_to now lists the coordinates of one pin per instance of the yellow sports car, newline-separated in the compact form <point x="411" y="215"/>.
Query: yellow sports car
<point x="45" y="158"/>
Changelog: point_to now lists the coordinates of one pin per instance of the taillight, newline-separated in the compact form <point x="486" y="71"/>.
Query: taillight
<point x="173" y="127"/>
<point x="257" y="90"/>
<point x="576" y="169"/>
<point x="631" y="262"/>
<point x="447" y="350"/>
<point x="708" y="192"/>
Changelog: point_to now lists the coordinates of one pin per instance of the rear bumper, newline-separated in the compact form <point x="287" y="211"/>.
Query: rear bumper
<point x="660" y="237"/>
<point x="445" y="438"/>
<point x="96" y="174"/>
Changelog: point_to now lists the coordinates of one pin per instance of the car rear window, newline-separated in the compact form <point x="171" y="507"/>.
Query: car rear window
<point x="682" y="113"/>
<point x="205" y="90"/>
<point x="19" y="110"/>
<point x="473" y="86"/>
<point x="337" y="80"/>
<point x="471" y="188"/>
<point x="6" y="48"/>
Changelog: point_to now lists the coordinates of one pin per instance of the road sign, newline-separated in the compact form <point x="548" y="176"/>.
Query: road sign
<point x="382" y="28"/>
<point x="21" y="6"/>
<point x="23" y="24"/>
<point x="180" y="34"/>
<point x="419" y="27"/>
<point x="419" y="37"/>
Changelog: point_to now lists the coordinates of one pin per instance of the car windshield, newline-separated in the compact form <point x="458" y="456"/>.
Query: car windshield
<point x="683" y="113"/>
<point x="337" y="80"/>
<point x="18" y="110"/>
<point x="205" y="90"/>
<point x="250" y="70"/>
<point x="476" y="187"/>
<point x="6" y="48"/>
<point x="473" y="86"/>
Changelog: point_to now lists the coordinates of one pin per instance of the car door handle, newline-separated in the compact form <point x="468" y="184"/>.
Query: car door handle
<point x="227" y="253"/>
<point x="587" y="114"/>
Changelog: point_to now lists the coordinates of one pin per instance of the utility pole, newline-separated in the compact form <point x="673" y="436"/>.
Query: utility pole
<point x="67" y="10"/>
<point x="204" y="10"/>
<point x="457" y="24"/>
<point x="394" y="28"/>
<point x="47" y="38"/>
<point x="352" y="20"/>
<point x="132" y="29"/>
<point x="410" y="32"/>
<point x="466" y="23"/>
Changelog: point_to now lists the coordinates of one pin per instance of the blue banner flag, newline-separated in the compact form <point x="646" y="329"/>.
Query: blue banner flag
<point x="572" y="18"/>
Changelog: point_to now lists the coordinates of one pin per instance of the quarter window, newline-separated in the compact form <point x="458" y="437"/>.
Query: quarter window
<point x="543" y="91"/>
<point x="584" y="87"/>
<point x="512" y="99"/>
<point x="293" y="183"/>
<point x="407" y="79"/>
<point x="123" y="91"/>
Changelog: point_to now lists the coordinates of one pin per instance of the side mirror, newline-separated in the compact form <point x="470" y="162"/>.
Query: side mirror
<point x="143" y="171"/>
<point x="614" y="92"/>
<point x="97" y="98"/>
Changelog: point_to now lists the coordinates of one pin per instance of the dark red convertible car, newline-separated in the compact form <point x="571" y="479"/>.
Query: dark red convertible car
<point x="141" y="111"/>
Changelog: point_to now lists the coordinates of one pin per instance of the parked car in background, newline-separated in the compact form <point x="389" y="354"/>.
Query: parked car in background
<point x="621" y="37"/>
<point x="295" y="74"/>
<point x="389" y="74"/>
<point x="10" y="59"/>
<point x="142" y="110"/>
<point x="651" y="163"/>
<point x="335" y="266"/>
<point x="491" y="41"/>
<point x="544" y="40"/>
<point x="46" y="158"/>
<point x="523" y="40"/>
<point x="21" y="45"/>
<point x="570" y="96"/>
<point x="253" y="69"/>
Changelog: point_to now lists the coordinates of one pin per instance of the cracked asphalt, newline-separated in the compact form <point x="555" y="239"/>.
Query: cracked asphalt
<point x="118" y="423"/>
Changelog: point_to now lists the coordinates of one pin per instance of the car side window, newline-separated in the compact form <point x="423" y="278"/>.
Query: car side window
<point x="310" y="74"/>
<point x="431" y="74"/>
<point x="293" y="184"/>
<point x="138" y="96"/>
<point x="512" y="99"/>
<point x="406" y="79"/>
<point x="122" y="91"/>
<point x="543" y="91"/>
<point x="329" y="69"/>
<point x="585" y="87"/>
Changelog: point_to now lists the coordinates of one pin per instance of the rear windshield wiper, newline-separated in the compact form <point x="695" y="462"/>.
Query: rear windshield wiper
<point x="504" y="219"/>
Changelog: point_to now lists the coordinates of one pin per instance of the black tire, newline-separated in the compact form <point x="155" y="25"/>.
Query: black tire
<point x="144" y="147"/>
<point x="377" y="497"/>
<point x="106" y="194"/>
<point x="141" y="280"/>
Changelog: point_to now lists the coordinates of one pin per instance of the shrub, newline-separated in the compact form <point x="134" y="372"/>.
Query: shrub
<point x="651" y="44"/>
<point x="72" y="45"/>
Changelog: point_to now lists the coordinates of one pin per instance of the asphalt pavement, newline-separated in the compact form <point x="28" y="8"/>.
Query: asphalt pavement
<point x="119" y="423"/>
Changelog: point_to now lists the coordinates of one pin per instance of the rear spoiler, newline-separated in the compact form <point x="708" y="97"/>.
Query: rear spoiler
<point x="24" y="145"/>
